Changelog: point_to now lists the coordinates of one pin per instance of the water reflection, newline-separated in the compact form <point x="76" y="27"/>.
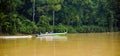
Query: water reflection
<point x="53" y="38"/>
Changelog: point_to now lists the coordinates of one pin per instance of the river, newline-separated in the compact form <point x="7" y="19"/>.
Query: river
<point x="82" y="44"/>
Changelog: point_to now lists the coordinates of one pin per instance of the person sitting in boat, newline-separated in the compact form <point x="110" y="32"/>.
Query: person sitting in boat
<point x="50" y="32"/>
<point x="40" y="33"/>
<point x="46" y="33"/>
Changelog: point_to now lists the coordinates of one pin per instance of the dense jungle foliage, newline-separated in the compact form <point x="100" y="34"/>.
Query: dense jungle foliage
<point x="82" y="16"/>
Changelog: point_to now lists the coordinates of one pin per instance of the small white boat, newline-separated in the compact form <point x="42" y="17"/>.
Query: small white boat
<point x="8" y="37"/>
<point x="52" y="34"/>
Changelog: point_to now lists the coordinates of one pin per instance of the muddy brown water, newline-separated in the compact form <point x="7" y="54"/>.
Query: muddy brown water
<point x="83" y="44"/>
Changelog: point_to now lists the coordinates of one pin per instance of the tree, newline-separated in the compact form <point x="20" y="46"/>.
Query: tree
<point x="44" y="24"/>
<point x="16" y="16"/>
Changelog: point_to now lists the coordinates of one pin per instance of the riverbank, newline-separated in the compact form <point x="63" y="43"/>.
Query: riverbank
<point x="67" y="33"/>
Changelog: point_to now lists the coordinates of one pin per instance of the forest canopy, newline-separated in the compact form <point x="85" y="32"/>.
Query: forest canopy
<point x="73" y="16"/>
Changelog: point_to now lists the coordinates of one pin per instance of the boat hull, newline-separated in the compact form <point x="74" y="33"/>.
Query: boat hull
<point x="52" y="34"/>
